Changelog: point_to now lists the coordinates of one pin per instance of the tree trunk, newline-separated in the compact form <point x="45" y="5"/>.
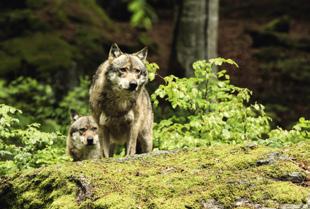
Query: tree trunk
<point x="213" y="28"/>
<point x="196" y="27"/>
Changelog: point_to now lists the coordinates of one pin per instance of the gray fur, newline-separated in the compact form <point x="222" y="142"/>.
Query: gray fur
<point x="77" y="145"/>
<point x="123" y="111"/>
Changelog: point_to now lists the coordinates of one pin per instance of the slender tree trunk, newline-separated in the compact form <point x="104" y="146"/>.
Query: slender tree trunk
<point x="213" y="28"/>
<point x="194" y="30"/>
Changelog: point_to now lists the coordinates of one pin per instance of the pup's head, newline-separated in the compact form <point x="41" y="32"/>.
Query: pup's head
<point x="83" y="130"/>
<point x="127" y="72"/>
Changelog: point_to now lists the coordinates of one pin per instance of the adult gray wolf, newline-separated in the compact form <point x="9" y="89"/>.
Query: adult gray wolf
<point x="120" y="103"/>
<point x="83" y="140"/>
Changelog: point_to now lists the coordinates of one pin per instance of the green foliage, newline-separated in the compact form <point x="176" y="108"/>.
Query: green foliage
<point x="22" y="148"/>
<point x="142" y="14"/>
<point x="152" y="68"/>
<point x="207" y="110"/>
<point x="29" y="95"/>
<point x="38" y="102"/>
<point x="76" y="99"/>
<point x="300" y="132"/>
<point x="25" y="146"/>
<point x="45" y="53"/>
<point x="50" y="40"/>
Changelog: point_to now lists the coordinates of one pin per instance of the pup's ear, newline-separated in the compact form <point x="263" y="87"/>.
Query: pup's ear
<point x="142" y="54"/>
<point x="115" y="51"/>
<point x="74" y="115"/>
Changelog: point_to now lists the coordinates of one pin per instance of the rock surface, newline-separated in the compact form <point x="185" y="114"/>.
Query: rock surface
<point x="214" y="177"/>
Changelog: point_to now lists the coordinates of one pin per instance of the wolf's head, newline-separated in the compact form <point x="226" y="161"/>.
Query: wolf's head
<point x="83" y="130"/>
<point x="127" y="72"/>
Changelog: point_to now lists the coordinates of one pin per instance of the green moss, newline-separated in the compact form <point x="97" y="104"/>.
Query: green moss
<point x="281" y="170"/>
<point x="298" y="152"/>
<point x="115" y="200"/>
<point x="282" y="192"/>
<point x="30" y="199"/>
<point x="67" y="201"/>
<point x="184" y="179"/>
<point x="243" y="207"/>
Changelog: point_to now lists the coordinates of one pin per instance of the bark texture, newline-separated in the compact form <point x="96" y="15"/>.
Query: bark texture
<point x="213" y="28"/>
<point x="195" y="35"/>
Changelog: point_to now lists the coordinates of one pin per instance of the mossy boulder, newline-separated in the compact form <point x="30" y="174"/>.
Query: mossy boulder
<point x="225" y="176"/>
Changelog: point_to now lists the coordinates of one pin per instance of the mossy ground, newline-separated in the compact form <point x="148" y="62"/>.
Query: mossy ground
<point x="182" y="179"/>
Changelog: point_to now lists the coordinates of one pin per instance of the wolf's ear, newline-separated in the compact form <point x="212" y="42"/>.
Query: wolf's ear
<point x="142" y="54"/>
<point x="74" y="115"/>
<point x="115" y="51"/>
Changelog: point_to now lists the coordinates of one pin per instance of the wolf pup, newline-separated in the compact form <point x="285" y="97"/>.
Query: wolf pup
<point x="120" y="103"/>
<point x="83" y="141"/>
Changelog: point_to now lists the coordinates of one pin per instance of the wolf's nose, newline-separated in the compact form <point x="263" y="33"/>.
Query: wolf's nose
<point x="132" y="85"/>
<point x="90" y="140"/>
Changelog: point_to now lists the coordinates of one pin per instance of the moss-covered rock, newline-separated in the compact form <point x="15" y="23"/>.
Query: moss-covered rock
<point x="215" y="177"/>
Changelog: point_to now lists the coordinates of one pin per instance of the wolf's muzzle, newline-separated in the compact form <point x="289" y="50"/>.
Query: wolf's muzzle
<point x="132" y="85"/>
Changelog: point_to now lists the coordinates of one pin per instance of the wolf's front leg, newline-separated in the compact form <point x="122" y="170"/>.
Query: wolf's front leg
<point x="132" y="141"/>
<point x="104" y="138"/>
<point x="146" y="142"/>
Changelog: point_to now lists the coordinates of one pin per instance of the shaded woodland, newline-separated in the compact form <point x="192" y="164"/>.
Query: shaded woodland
<point x="52" y="40"/>
<point x="229" y="85"/>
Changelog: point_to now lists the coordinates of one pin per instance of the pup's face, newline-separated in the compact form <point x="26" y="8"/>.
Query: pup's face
<point x="83" y="131"/>
<point x="127" y="72"/>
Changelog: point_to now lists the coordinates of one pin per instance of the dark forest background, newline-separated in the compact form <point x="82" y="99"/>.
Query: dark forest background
<point x="58" y="43"/>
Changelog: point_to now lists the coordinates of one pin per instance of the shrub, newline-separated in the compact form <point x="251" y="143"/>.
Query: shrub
<point x="39" y="104"/>
<point x="37" y="100"/>
<point x="207" y="109"/>
<point x="29" y="95"/>
<point x="22" y="148"/>
<point x="279" y="137"/>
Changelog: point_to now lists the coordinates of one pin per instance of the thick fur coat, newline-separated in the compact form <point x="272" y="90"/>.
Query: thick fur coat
<point x="120" y="103"/>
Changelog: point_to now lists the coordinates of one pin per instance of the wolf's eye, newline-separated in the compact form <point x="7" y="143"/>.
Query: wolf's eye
<point x="94" y="128"/>
<point x="82" y="130"/>
<point x="137" y="71"/>
<point x="123" y="69"/>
